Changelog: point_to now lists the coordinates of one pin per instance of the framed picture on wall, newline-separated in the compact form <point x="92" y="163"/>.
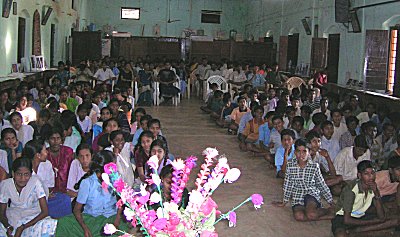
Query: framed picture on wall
<point x="15" y="9"/>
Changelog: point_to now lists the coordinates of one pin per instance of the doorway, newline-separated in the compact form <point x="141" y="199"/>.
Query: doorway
<point x="52" y="39"/>
<point x="333" y="57"/>
<point x="21" y="38"/>
<point x="292" y="52"/>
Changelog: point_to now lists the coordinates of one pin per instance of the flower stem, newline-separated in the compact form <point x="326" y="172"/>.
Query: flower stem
<point x="223" y="216"/>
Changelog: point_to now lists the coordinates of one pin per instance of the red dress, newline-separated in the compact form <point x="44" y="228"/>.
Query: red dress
<point x="61" y="165"/>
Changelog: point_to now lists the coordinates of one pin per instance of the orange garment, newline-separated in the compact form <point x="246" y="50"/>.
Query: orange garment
<point x="251" y="129"/>
<point x="385" y="186"/>
<point x="236" y="115"/>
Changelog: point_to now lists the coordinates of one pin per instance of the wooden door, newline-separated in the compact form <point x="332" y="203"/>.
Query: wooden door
<point x="21" y="38"/>
<point x="376" y="57"/>
<point x="333" y="57"/>
<point x="86" y="45"/>
<point x="283" y="49"/>
<point x="292" y="52"/>
<point x="318" y="53"/>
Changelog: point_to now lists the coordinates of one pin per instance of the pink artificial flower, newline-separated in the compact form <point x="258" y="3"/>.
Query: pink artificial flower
<point x="173" y="219"/>
<point x="143" y="199"/>
<point x="207" y="233"/>
<point x="177" y="234"/>
<point x="110" y="167"/>
<point x="109" y="229"/>
<point x="104" y="186"/>
<point x="119" y="185"/>
<point x="160" y="224"/>
<point x="134" y="222"/>
<point x="120" y="203"/>
<point x="126" y="235"/>
<point x="208" y="206"/>
<point x="232" y="219"/>
<point x="257" y="200"/>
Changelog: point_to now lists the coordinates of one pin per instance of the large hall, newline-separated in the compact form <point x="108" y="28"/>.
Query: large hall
<point x="199" y="118"/>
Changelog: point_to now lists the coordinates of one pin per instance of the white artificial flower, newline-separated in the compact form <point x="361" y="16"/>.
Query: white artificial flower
<point x="156" y="179"/>
<point x="223" y="160"/>
<point x="155" y="197"/>
<point x="210" y="152"/>
<point x="232" y="175"/>
<point x="178" y="164"/>
<point x="143" y="191"/>
<point x="106" y="178"/>
<point x="196" y="197"/>
<point x="162" y="213"/>
<point x="153" y="163"/>
<point x="129" y="214"/>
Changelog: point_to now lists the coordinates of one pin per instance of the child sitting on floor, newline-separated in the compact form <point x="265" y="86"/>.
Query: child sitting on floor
<point x="142" y="153"/>
<point x="237" y="114"/>
<point x="99" y="204"/>
<point x="321" y="157"/>
<point x="12" y="146"/>
<point x="79" y="167"/>
<point x="285" y="152"/>
<point x="304" y="185"/>
<point x="249" y="138"/>
<point x="356" y="198"/>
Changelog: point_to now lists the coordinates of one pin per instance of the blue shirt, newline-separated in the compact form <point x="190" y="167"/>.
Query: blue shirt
<point x="97" y="201"/>
<point x="243" y="121"/>
<point x="136" y="136"/>
<point x="264" y="133"/>
<point x="97" y="129"/>
<point x="258" y="80"/>
<point x="280" y="153"/>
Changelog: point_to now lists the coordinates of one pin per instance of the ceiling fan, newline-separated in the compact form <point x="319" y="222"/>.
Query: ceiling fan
<point x="169" y="14"/>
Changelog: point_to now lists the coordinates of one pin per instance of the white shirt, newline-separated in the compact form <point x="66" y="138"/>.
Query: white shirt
<point x="210" y="73"/>
<point x="75" y="174"/>
<point x="86" y="124"/>
<point x="363" y="117"/>
<point x="102" y="75"/>
<point x="46" y="174"/>
<point x="79" y="99"/>
<point x="94" y="113"/>
<point x="35" y="93"/>
<point x="332" y="146"/>
<point x="238" y="77"/>
<point x="28" y="115"/>
<point x="124" y="165"/>
<point x="338" y="131"/>
<point x="4" y="124"/>
<point x="346" y="165"/>
<point x="25" y="134"/>
<point x="4" y="160"/>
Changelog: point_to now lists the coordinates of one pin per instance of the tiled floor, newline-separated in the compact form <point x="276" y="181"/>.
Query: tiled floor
<point x="189" y="131"/>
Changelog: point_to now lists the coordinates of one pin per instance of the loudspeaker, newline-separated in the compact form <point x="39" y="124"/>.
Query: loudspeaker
<point x="7" y="8"/>
<point x="306" y="26"/>
<point x="354" y="21"/>
<point x="47" y="15"/>
<point x="342" y="11"/>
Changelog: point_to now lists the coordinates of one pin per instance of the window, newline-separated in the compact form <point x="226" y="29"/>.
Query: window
<point x="213" y="17"/>
<point x="130" y="13"/>
<point x="392" y="59"/>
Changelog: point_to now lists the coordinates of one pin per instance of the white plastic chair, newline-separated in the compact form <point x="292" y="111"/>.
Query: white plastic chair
<point x="219" y="80"/>
<point x="156" y="93"/>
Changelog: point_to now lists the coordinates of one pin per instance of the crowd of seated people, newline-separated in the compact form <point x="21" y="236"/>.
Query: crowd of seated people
<point x="55" y="141"/>
<point x="320" y="145"/>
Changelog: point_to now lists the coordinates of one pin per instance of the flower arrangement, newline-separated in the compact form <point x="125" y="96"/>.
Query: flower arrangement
<point x="169" y="219"/>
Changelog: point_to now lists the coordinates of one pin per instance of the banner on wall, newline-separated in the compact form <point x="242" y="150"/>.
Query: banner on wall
<point x="106" y="47"/>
